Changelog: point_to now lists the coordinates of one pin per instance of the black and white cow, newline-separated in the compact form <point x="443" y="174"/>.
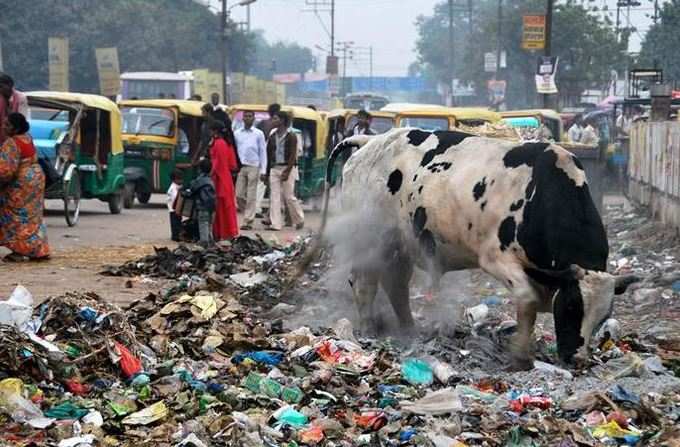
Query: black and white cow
<point x="449" y="201"/>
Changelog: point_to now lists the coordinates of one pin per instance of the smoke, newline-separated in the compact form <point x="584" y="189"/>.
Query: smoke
<point x="355" y="234"/>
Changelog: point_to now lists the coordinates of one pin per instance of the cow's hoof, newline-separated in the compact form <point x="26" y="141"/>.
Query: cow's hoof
<point x="521" y="364"/>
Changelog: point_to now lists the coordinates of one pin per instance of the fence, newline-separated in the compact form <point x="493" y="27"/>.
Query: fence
<point x="654" y="169"/>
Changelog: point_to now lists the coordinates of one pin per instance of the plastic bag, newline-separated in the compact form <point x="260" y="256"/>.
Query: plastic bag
<point x="417" y="372"/>
<point x="312" y="435"/>
<point x="148" y="415"/>
<point x="289" y="416"/>
<point x="130" y="364"/>
<point x="66" y="410"/>
<point x="14" y="404"/>
<point x="439" y="402"/>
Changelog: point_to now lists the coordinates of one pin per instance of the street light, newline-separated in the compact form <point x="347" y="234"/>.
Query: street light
<point x="224" y="57"/>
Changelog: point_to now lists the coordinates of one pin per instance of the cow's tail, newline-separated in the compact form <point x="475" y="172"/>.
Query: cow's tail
<point x="344" y="147"/>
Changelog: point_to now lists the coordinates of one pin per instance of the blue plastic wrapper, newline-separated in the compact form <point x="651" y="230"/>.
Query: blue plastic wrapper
<point x="620" y="394"/>
<point x="417" y="372"/>
<point x="215" y="388"/>
<point x="88" y="314"/>
<point x="265" y="357"/>
<point x="407" y="434"/>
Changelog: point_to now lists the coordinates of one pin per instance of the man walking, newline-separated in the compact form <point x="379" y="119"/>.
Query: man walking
<point x="252" y="151"/>
<point x="217" y="112"/>
<point x="363" y="125"/>
<point x="266" y="126"/>
<point x="283" y="172"/>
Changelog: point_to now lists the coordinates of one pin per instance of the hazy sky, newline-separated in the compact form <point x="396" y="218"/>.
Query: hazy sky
<point x="387" y="25"/>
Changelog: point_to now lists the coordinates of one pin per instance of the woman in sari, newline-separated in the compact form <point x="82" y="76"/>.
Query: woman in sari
<point x="224" y="162"/>
<point x="22" y="190"/>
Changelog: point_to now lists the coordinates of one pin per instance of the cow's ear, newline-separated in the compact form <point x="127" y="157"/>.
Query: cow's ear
<point x="621" y="283"/>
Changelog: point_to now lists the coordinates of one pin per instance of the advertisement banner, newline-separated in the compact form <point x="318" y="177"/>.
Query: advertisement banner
<point x="109" y="71"/>
<point x="270" y="92"/>
<point x="214" y="85"/>
<point x="533" y="32"/>
<point x="497" y="91"/>
<point x="280" y="93"/>
<point x="58" y="63"/>
<point x="545" y="75"/>
<point x="201" y="83"/>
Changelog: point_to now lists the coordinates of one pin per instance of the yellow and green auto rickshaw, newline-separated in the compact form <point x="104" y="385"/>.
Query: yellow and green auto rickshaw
<point x="342" y="121"/>
<point x="535" y="119"/>
<point x="310" y="127"/>
<point x="79" y="134"/>
<point x="435" y="117"/>
<point x="159" y="136"/>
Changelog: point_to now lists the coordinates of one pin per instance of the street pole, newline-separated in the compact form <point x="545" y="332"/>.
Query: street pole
<point x="370" y="71"/>
<point x="618" y="22"/>
<point x="499" y="37"/>
<point x="332" y="27"/>
<point x="449" y="100"/>
<point x="248" y="17"/>
<point x="548" y="43"/>
<point x="224" y="60"/>
<point x="470" y="17"/>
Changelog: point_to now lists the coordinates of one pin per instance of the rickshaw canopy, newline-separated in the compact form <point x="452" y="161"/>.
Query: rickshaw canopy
<point x="185" y="107"/>
<point x="92" y="102"/>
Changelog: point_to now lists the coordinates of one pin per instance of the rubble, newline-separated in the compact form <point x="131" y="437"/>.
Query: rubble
<point x="213" y="364"/>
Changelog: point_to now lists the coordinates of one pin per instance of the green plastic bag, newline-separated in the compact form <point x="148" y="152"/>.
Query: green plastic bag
<point x="66" y="410"/>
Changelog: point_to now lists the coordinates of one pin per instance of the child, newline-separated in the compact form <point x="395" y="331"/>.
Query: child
<point x="203" y="193"/>
<point x="173" y="191"/>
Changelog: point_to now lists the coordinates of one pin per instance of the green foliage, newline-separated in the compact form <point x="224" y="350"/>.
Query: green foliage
<point x="660" y="46"/>
<point x="151" y="35"/>
<point x="280" y="57"/>
<point x="585" y="43"/>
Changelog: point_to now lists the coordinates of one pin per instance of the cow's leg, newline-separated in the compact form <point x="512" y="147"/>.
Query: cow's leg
<point x="364" y="287"/>
<point x="395" y="279"/>
<point x="526" y="299"/>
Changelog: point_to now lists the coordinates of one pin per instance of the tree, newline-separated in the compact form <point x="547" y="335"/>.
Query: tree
<point x="151" y="35"/>
<point x="660" y="46"/>
<point x="280" y="57"/>
<point x="586" y="45"/>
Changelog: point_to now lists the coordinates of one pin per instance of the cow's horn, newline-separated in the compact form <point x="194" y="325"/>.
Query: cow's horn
<point x="621" y="283"/>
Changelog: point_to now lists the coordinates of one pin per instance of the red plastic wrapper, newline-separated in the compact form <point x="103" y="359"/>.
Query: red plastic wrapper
<point x="312" y="436"/>
<point x="329" y="352"/>
<point x="524" y="402"/>
<point x="375" y="420"/>
<point x="130" y="364"/>
<point x="77" y="388"/>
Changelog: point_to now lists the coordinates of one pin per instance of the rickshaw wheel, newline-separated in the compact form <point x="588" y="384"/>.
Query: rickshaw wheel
<point x="129" y="196"/>
<point x="116" y="201"/>
<point x="143" y="197"/>
<point x="71" y="194"/>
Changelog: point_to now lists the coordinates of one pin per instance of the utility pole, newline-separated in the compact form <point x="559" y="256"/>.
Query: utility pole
<point x="548" y="43"/>
<point x="469" y="8"/>
<point x="449" y="100"/>
<point x="344" y="48"/>
<point x="248" y="17"/>
<point x="332" y="27"/>
<point x="224" y="60"/>
<point x="499" y="38"/>
<point x="370" y="70"/>
<point x="656" y="11"/>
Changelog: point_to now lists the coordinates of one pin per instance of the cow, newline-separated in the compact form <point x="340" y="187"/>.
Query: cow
<point x="448" y="200"/>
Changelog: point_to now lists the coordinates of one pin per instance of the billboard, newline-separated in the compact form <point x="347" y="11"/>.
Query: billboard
<point x="109" y="71"/>
<point x="58" y="63"/>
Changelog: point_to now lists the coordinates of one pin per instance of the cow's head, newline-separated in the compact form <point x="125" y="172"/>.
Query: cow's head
<point x="582" y="303"/>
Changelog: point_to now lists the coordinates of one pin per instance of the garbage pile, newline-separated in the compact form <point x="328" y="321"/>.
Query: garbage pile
<point x="200" y="365"/>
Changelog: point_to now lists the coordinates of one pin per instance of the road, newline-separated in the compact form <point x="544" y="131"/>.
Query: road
<point x="100" y="239"/>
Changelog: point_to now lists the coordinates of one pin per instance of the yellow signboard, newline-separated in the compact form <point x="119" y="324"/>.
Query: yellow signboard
<point x="533" y="32"/>
<point x="109" y="71"/>
<point x="201" y="83"/>
<point x="215" y="85"/>
<point x="280" y="93"/>
<point x="58" y="61"/>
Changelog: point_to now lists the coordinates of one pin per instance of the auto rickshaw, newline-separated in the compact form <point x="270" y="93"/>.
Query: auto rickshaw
<point x="342" y="121"/>
<point x="79" y="134"/>
<point x="310" y="127"/>
<point x="434" y="117"/>
<point x="535" y="119"/>
<point x="159" y="136"/>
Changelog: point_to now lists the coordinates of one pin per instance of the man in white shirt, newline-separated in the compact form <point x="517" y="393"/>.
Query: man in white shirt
<point x="576" y="130"/>
<point x="589" y="134"/>
<point x="252" y="152"/>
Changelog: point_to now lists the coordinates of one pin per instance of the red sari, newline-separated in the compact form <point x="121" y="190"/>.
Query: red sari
<point x="223" y="156"/>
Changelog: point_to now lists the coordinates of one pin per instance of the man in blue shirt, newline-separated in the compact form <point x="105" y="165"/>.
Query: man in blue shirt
<point x="252" y="151"/>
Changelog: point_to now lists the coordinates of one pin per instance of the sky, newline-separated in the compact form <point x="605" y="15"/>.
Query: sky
<point x="386" y="25"/>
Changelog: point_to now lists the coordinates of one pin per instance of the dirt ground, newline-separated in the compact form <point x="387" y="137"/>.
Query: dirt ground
<point x="101" y="239"/>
